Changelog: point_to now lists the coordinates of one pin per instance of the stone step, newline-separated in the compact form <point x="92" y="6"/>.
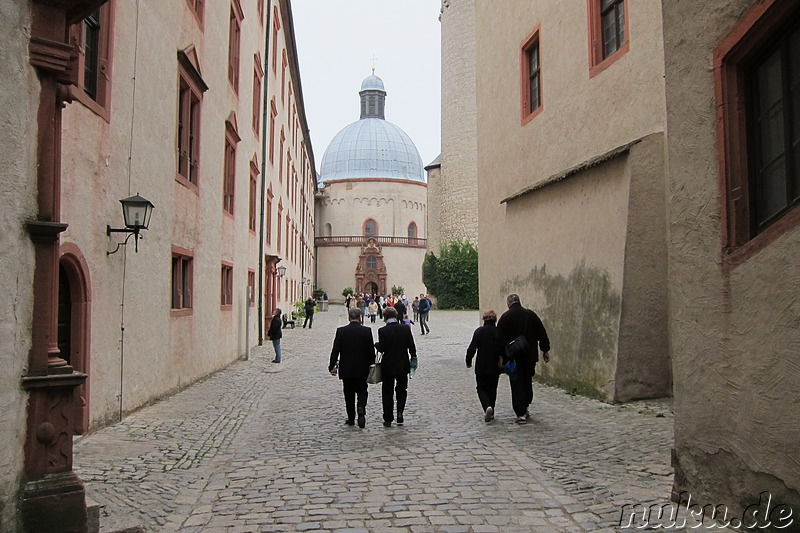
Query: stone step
<point x="109" y="525"/>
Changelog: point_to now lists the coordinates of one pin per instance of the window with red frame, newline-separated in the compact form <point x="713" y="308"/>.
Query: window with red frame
<point x="188" y="138"/>
<point x="370" y="228"/>
<point x="90" y="68"/>
<point x="268" y="232"/>
<point x="258" y="75"/>
<point x="608" y="33"/>
<point x="531" y="76"/>
<point x="251" y="282"/>
<point x="273" y="113"/>
<point x="758" y="79"/>
<point x="226" y="282"/>
<point x="229" y="165"/>
<point x="234" y="44"/>
<point x="181" y="281"/>
<point x="276" y="26"/>
<point x="197" y="7"/>
<point x="251" y="218"/>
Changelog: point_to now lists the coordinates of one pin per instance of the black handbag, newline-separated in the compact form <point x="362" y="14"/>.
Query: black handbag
<point x="517" y="347"/>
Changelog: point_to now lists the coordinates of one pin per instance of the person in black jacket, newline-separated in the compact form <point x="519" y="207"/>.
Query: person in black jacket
<point x="311" y="303"/>
<point x="396" y="342"/>
<point x="274" y="333"/>
<point x="487" y="364"/>
<point x="351" y="356"/>
<point x="515" y="323"/>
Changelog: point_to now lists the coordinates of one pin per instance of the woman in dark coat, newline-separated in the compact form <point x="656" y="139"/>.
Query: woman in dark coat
<point x="487" y="364"/>
<point x="275" y="333"/>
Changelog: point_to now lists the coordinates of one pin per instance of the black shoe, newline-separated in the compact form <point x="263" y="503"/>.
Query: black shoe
<point x="387" y="423"/>
<point x="350" y="422"/>
<point x="362" y="421"/>
<point x="399" y="419"/>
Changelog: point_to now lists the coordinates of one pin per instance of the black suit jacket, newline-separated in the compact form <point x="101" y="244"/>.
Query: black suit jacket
<point x="396" y="342"/>
<point x="520" y="321"/>
<point x="353" y="349"/>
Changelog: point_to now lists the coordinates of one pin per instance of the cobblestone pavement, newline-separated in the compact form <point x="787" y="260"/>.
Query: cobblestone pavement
<point x="262" y="447"/>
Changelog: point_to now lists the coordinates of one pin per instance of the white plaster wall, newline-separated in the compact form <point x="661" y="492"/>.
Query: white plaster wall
<point x="161" y="353"/>
<point x="733" y="334"/>
<point x="20" y="95"/>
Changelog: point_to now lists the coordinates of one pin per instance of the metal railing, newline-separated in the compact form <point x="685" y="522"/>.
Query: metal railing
<point x="359" y="240"/>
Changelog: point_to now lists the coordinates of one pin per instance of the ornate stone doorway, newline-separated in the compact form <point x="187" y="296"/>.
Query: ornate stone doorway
<point x="371" y="270"/>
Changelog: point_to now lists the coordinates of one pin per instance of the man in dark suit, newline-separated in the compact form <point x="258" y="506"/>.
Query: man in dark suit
<point x="399" y="357"/>
<point x="353" y="353"/>
<point x="515" y="323"/>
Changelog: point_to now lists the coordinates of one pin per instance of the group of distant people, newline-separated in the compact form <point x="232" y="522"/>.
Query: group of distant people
<point x="372" y="306"/>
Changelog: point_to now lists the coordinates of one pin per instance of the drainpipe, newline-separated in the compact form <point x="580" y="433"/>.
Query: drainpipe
<point x="264" y="117"/>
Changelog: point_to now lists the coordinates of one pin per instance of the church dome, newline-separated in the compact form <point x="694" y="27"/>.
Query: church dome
<point x="372" y="147"/>
<point x="372" y="83"/>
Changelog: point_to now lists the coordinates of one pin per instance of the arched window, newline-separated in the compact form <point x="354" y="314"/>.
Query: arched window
<point x="328" y="230"/>
<point x="370" y="228"/>
<point x="412" y="231"/>
<point x="372" y="262"/>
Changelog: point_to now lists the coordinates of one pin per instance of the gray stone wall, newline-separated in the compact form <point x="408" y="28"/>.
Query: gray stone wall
<point x="458" y="201"/>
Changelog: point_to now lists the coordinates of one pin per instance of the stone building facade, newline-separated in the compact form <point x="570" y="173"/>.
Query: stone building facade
<point x="371" y="206"/>
<point x="457" y="204"/>
<point x="640" y="191"/>
<point x="572" y="210"/>
<point x="102" y="321"/>
<point x="734" y="285"/>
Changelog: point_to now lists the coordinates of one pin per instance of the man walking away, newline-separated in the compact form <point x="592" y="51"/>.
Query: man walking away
<point x="525" y="330"/>
<point x="310" y="304"/>
<point x="396" y="342"/>
<point x="424" y="309"/>
<point x="351" y="356"/>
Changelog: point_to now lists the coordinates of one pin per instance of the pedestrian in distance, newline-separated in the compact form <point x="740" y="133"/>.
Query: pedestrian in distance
<point x="309" y="308"/>
<point x="351" y="356"/>
<point x="396" y="342"/>
<point x="424" y="309"/>
<point x="520" y="335"/>
<point x="373" y="310"/>
<point x="415" y="308"/>
<point x="487" y="363"/>
<point x="275" y="333"/>
<point x="400" y="307"/>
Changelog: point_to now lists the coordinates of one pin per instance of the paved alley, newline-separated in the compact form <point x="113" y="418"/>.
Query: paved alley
<point x="262" y="447"/>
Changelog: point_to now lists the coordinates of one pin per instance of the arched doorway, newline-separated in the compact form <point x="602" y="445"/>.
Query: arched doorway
<point x="371" y="288"/>
<point x="74" y="310"/>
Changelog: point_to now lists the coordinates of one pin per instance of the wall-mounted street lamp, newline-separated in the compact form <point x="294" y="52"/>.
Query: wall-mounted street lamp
<point x="281" y="271"/>
<point x="136" y="211"/>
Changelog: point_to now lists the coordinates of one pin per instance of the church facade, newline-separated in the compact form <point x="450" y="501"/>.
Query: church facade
<point x="371" y="205"/>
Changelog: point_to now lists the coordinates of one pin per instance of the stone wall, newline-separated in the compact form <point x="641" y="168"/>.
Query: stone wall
<point x="457" y="205"/>
<point x="18" y="141"/>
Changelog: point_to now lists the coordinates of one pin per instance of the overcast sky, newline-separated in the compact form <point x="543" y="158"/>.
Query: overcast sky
<point x="335" y="44"/>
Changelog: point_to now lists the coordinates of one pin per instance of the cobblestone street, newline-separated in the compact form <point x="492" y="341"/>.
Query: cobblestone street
<point x="263" y="447"/>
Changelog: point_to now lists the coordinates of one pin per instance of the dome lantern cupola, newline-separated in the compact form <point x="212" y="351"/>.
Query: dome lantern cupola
<point x="373" y="97"/>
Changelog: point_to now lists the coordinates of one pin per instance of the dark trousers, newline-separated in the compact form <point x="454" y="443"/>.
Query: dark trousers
<point x="389" y="386"/>
<point x="486" y="385"/>
<point x="423" y="322"/>
<point x="351" y="388"/>
<point x="522" y="391"/>
<point x="309" y="320"/>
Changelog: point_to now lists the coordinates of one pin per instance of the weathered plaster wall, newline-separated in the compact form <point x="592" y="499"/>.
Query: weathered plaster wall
<point x="20" y="95"/>
<point x="565" y="247"/>
<point x="458" y="203"/>
<point x="571" y="274"/>
<point x="158" y="352"/>
<point x="733" y="332"/>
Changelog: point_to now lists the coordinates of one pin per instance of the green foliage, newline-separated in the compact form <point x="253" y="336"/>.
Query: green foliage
<point x="430" y="273"/>
<point x="346" y="291"/>
<point x="453" y="277"/>
<point x="398" y="290"/>
<point x="318" y="293"/>
<point x="300" y="308"/>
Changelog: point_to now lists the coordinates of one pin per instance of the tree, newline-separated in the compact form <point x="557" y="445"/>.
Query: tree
<point x="346" y="291"/>
<point x="398" y="290"/>
<point x="453" y="277"/>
